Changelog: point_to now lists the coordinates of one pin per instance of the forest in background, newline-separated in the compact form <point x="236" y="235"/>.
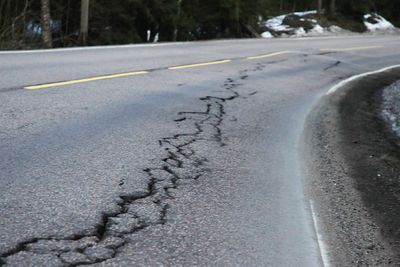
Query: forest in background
<point x="57" y="23"/>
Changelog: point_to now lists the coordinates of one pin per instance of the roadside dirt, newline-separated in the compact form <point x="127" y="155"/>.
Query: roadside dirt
<point x="356" y="180"/>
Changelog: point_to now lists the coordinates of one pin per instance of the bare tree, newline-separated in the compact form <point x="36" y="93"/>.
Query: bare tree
<point x="46" y="27"/>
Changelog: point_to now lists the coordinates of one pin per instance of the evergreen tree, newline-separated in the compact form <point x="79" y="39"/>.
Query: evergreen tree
<point x="25" y="23"/>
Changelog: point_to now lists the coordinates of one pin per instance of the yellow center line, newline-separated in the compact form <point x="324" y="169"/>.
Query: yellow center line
<point x="200" y="64"/>
<point x="85" y="80"/>
<point x="352" y="48"/>
<point x="270" y="55"/>
<point x="119" y="75"/>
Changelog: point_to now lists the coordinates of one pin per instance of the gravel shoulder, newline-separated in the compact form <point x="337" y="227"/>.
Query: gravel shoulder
<point x="355" y="181"/>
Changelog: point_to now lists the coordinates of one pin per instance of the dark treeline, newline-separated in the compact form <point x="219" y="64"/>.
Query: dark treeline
<point x="23" y="22"/>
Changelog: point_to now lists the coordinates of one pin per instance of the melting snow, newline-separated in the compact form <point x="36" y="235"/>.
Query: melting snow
<point x="276" y="23"/>
<point x="275" y="26"/>
<point x="381" y="24"/>
<point x="300" y="32"/>
<point x="266" y="35"/>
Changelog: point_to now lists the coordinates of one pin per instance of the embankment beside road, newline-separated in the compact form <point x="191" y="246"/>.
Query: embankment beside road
<point x="353" y="173"/>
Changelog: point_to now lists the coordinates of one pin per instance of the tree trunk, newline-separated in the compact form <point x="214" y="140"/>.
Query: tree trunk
<point x="45" y="21"/>
<point x="175" y="37"/>
<point x="333" y="7"/>
<point x="319" y="7"/>
<point x="373" y="5"/>
<point x="83" y="36"/>
<point x="237" y="18"/>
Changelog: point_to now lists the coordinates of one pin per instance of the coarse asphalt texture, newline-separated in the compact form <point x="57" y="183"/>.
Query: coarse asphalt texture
<point x="356" y="180"/>
<point x="201" y="165"/>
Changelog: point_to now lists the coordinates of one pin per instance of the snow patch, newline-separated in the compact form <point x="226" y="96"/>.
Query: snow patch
<point x="305" y="13"/>
<point x="300" y="26"/>
<point x="148" y="35"/>
<point x="335" y="28"/>
<point x="156" y="38"/>
<point x="266" y="35"/>
<point x="299" y="32"/>
<point x="317" y="30"/>
<point x="276" y="23"/>
<point x="375" y="22"/>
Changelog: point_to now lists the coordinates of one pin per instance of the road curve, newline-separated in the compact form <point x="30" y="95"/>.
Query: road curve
<point x="174" y="154"/>
<point x="355" y="180"/>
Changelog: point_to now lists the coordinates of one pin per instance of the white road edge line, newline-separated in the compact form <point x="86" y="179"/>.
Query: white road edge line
<point x="54" y="50"/>
<point x="355" y="77"/>
<point x="321" y="244"/>
<point x="2" y="52"/>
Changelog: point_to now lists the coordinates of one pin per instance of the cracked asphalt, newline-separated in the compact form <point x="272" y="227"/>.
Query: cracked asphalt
<point x="196" y="166"/>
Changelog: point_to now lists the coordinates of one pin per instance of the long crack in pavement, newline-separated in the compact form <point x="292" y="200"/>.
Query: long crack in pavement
<point x="140" y="209"/>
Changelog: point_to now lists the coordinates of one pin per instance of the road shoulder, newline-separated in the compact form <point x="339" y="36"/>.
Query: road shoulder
<point x="352" y="174"/>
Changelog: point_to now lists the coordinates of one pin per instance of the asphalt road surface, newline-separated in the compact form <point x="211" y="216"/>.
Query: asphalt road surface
<point x="175" y="154"/>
